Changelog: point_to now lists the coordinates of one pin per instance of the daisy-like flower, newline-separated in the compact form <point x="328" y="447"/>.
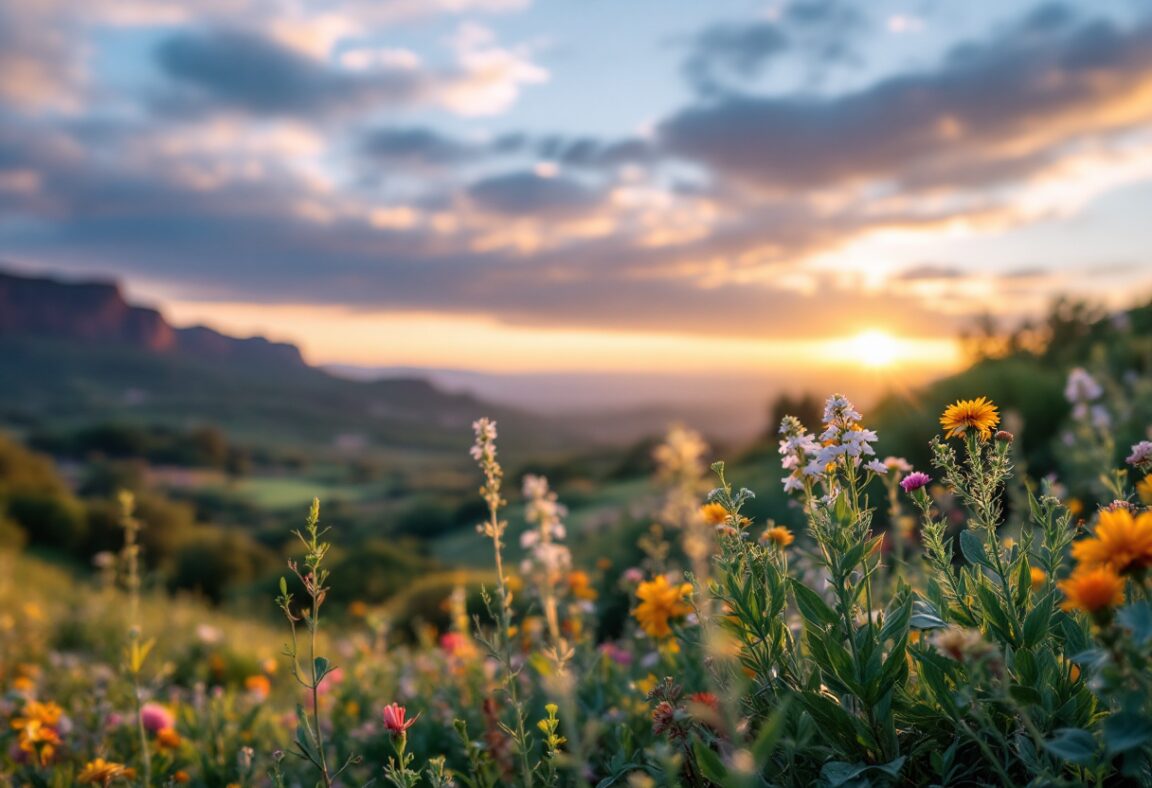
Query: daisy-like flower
<point x="779" y="536"/>
<point x="1094" y="590"/>
<point x="102" y="772"/>
<point x="661" y="601"/>
<point x="876" y="466"/>
<point x="1141" y="456"/>
<point x="395" y="719"/>
<point x="1122" y="541"/>
<point x="976" y="414"/>
<point x="898" y="464"/>
<point x="914" y="481"/>
<point x="714" y="513"/>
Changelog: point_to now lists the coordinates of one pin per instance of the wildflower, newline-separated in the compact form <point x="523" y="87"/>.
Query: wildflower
<point x="914" y="481"/>
<point x="1094" y="590"/>
<point x="898" y="464"/>
<point x="394" y="719"/>
<point x="660" y="601"/>
<point x="580" y="586"/>
<point x="664" y="718"/>
<point x="1141" y="456"/>
<point x="1081" y="387"/>
<point x="1122" y="541"/>
<point x="258" y="686"/>
<point x="798" y="449"/>
<point x="167" y="739"/>
<point x="1004" y="436"/>
<point x="1144" y="490"/>
<point x="102" y="772"/>
<point x="876" y="466"/>
<point x="779" y="536"/>
<point x="155" y="717"/>
<point x="1039" y="577"/>
<point x="962" y="644"/>
<point x="714" y="513"/>
<point x="181" y="777"/>
<point x="977" y="414"/>
<point x="839" y="409"/>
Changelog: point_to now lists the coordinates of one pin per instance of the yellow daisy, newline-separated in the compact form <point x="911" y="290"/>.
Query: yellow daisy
<point x="1092" y="589"/>
<point x="1122" y="541"/>
<point x="977" y="414"/>
<point x="659" y="602"/>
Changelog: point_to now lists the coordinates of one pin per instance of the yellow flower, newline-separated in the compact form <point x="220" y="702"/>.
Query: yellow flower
<point x="779" y="536"/>
<point x="104" y="772"/>
<point x="660" y="601"/>
<point x="1038" y="577"/>
<point x="1092" y="589"/>
<point x="647" y="684"/>
<point x="714" y="513"/>
<point x="1144" y="489"/>
<point x="978" y="414"/>
<point x="1122" y="541"/>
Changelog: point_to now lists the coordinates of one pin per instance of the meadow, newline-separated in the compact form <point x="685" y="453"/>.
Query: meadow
<point x="816" y="612"/>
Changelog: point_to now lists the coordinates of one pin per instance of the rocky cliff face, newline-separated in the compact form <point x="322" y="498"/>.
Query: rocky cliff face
<point x="97" y="313"/>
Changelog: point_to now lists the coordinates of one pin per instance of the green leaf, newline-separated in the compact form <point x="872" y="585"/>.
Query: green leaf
<point x="770" y="733"/>
<point x="1126" y="731"/>
<point x="972" y="546"/>
<point x="1073" y="745"/>
<point x="709" y="762"/>
<point x="283" y="586"/>
<point x="812" y="606"/>
<point x="321" y="667"/>
<point x="1025" y="695"/>
<point x="924" y="616"/>
<point x="1037" y="623"/>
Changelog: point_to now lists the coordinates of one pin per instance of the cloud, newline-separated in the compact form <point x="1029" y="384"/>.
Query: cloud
<point x="416" y="146"/>
<point x="930" y="272"/>
<point x="1007" y="108"/>
<point x="237" y="69"/>
<point x="722" y="52"/>
<point x="529" y="194"/>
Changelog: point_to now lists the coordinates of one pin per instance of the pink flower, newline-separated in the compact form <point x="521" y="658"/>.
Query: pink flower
<point x="156" y="718"/>
<point x="394" y="719"/>
<point x="914" y="481"/>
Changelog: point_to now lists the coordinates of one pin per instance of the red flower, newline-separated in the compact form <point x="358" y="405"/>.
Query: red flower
<point x="394" y="719"/>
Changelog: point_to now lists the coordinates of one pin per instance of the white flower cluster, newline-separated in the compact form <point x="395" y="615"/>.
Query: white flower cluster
<point x="545" y="511"/>
<point x="806" y="455"/>
<point x="796" y="447"/>
<point x="484" y="449"/>
<point x="1082" y="391"/>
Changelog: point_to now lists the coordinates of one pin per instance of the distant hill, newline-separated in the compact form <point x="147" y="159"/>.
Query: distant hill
<point x="96" y="313"/>
<point x="73" y="353"/>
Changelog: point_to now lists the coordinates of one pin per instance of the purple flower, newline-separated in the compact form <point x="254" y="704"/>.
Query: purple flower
<point x="1141" y="456"/>
<point x="914" y="481"/>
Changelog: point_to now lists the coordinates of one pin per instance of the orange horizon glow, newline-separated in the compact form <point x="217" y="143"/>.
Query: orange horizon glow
<point x="336" y="335"/>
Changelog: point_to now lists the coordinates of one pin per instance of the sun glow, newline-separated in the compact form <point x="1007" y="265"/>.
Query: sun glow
<point x="874" y="348"/>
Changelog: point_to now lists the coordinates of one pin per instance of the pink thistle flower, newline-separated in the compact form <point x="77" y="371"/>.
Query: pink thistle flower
<point x="914" y="481"/>
<point x="156" y="718"/>
<point x="394" y="719"/>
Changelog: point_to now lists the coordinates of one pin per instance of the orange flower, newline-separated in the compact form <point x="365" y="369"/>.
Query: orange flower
<point x="259" y="686"/>
<point x="1092" y="589"/>
<point x="1039" y="576"/>
<point x="580" y="586"/>
<point x="167" y="739"/>
<point x="1122" y="541"/>
<point x="1144" y="489"/>
<point x="714" y="513"/>
<point x="104" y="772"/>
<point x="977" y="414"/>
<point x="660" y="601"/>
<point x="779" y="536"/>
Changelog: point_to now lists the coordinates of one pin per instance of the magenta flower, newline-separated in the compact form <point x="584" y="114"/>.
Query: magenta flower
<point x="914" y="481"/>
<point x="156" y="718"/>
<point x="394" y="719"/>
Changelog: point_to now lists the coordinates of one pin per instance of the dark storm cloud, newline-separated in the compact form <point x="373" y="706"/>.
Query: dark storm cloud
<point x="1037" y="80"/>
<point x="242" y="70"/>
<point x="529" y="194"/>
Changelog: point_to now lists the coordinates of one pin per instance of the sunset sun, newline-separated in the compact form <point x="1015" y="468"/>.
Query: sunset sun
<point x="874" y="348"/>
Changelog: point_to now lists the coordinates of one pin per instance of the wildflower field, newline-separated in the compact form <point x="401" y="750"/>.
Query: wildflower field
<point x="954" y="624"/>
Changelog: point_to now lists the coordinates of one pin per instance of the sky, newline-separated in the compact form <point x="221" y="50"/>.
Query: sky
<point x="531" y="186"/>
